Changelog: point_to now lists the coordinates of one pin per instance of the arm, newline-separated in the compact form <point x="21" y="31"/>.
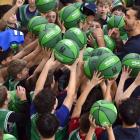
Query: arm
<point x="108" y="95"/>
<point x="32" y="55"/>
<point x="92" y="128"/>
<point x="99" y="35"/>
<point x="51" y="64"/>
<point x="103" y="87"/>
<point x="110" y="133"/>
<point x="28" y="49"/>
<point x="124" y="76"/>
<point x="89" y="86"/>
<point x="68" y="102"/>
<point x="13" y="10"/>
<point x="131" y="88"/>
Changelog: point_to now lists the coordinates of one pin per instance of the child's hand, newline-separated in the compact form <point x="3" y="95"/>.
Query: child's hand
<point x="96" y="79"/>
<point x="98" y="33"/>
<point x="125" y="73"/>
<point x="92" y="122"/>
<point x="46" y="53"/>
<point x="19" y="3"/>
<point x="114" y="33"/>
<point x="52" y="63"/>
<point x="21" y="93"/>
<point x="111" y="81"/>
<point x="90" y="40"/>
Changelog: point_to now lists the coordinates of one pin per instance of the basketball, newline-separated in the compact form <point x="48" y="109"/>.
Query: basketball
<point x="90" y="66"/>
<point x="132" y="61"/>
<point x="104" y="113"/>
<point x="8" y="137"/>
<point x="109" y="65"/>
<point x="45" y="6"/>
<point x="48" y="26"/>
<point x="66" y="51"/>
<point x="49" y="37"/>
<point x="110" y="43"/>
<point x="128" y="2"/>
<point x="88" y="52"/>
<point x="116" y="22"/>
<point x="70" y="15"/>
<point x="100" y="51"/>
<point x="76" y="35"/>
<point x="35" y="24"/>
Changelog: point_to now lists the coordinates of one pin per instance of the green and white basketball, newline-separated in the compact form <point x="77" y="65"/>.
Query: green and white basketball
<point x="116" y="22"/>
<point x="49" y="37"/>
<point x="66" y="51"/>
<point x="76" y="35"/>
<point x="70" y="15"/>
<point x="90" y="66"/>
<point x="132" y="61"/>
<point x="104" y="113"/>
<point x="109" y="65"/>
<point x="45" y="6"/>
<point x="100" y="51"/>
<point x="36" y="23"/>
<point x="88" y="52"/>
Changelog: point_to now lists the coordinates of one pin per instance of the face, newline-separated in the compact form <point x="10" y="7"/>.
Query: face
<point x="24" y="74"/>
<point x="12" y="19"/>
<point x="130" y="20"/>
<point x="29" y="38"/>
<point x="118" y="13"/>
<point x="93" y="25"/>
<point x="31" y="2"/>
<point x="103" y="9"/>
<point x="51" y="16"/>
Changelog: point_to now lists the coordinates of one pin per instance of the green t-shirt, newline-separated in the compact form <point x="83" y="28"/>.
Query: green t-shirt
<point x="60" y="134"/>
<point x="75" y="135"/>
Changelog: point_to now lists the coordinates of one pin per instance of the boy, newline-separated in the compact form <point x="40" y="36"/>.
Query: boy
<point x="129" y="114"/>
<point x="103" y="10"/>
<point x="18" y="72"/>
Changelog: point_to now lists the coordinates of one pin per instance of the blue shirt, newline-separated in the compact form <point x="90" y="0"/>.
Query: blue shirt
<point x="123" y="133"/>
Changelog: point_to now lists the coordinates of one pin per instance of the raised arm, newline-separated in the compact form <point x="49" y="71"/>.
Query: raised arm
<point x="28" y="49"/>
<point x="131" y="88"/>
<point x="124" y="76"/>
<point x="50" y="64"/>
<point x="13" y="10"/>
<point x="89" y="86"/>
<point x="71" y="91"/>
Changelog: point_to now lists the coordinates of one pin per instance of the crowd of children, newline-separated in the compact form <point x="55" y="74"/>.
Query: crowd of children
<point x="42" y="99"/>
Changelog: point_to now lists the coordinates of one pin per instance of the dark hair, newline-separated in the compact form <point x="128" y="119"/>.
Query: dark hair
<point x="3" y="95"/>
<point x="84" y="123"/>
<point x="137" y="9"/>
<point x="47" y="125"/>
<point x="130" y="111"/>
<point x="49" y="80"/>
<point x="15" y="67"/>
<point x="44" y="101"/>
<point x="95" y="95"/>
<point x="119" y="8"/>
<point x="4" y="9"/>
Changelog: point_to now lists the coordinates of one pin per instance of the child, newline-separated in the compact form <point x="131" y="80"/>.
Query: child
<point x="129" y="114"/>
<point x="103" y="10"/>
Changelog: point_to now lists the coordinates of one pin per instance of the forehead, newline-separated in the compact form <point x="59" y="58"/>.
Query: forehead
<point x="131" y="12"/>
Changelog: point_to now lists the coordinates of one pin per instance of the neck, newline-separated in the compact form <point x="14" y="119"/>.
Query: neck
<point x="129" y="126"/>
<point x="52" y="138"/>
<point x="134" y="32"/>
